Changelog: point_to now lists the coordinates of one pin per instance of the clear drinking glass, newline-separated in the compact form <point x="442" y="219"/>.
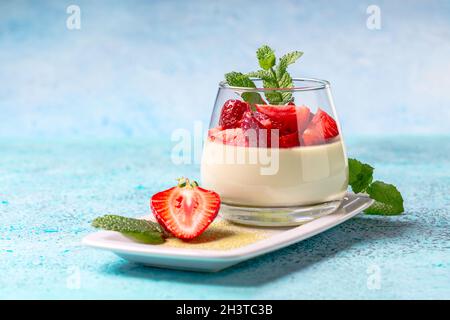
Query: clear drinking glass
<point x="275" y="164"/>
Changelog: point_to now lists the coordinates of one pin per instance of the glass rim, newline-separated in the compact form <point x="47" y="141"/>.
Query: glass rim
<point x="318" y="85"/>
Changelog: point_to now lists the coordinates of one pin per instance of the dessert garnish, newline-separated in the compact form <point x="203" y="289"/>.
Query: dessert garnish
<point x="185" y="210"/>
<point x="273" y="77"/>
<point x="139" y="230"/>
<point x="388" y="200"/>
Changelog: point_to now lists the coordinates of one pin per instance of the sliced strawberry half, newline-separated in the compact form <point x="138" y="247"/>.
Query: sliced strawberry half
<point x="185" y="210"/>
<point x="232" y="112"/>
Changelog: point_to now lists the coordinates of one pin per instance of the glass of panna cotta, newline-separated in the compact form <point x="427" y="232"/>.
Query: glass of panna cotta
<point x="275" y="164"/>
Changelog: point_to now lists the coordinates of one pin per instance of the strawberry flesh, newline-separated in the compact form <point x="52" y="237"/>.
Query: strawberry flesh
<point x="290" y="140"/>
<point x="234" y="137"/>
<point x="296" y="125"/>
<point x="283" y="118"/>
<point x="321" y="128"/>
<point x="186" y="211"/>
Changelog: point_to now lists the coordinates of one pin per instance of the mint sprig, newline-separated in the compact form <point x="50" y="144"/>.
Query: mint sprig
<point x="273" y="77"/>
<point x="360" y="175"/>
<point x="237" y="79"/>
<point x="388" y="200"/>
<point x="138" y="229"/>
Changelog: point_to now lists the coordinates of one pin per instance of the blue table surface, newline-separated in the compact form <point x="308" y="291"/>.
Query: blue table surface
<point x="51" y="190"/>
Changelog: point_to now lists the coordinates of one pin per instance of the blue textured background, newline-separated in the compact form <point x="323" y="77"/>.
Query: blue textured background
<point x="86" y="117"/>
<point x="140" y="68"/>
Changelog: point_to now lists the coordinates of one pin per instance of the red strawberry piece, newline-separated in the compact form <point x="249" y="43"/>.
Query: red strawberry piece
<point x="257" y="129"/>
<point x="234" y="137"/>
<point x="290" y="140"/>
<point x="303" y="117"/>
<point x="232" y="112"/>
<point x="322" y="127"/>
<point x="249" y="122"/>
<point x="263" y="120"/>
<point x="283" y="118"/>
<point x="185" y="210"/>
<point x="326" y="123"/>
<point x="312" y="136"/>
<point x="276" y="112"/>
<point x="214" y="132"/>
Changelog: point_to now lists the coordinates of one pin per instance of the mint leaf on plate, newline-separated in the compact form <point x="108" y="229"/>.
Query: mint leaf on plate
<point x="360" y="175"/>
<point x="388" y="200"/>
<point x="137" y="229"/>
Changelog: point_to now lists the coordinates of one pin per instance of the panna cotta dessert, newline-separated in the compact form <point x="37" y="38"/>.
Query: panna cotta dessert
<point x="270" y="156"/>
<point x="285" y="177"/>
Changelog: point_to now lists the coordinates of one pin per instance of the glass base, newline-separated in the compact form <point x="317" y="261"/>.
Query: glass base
<point x="277" y="216"/>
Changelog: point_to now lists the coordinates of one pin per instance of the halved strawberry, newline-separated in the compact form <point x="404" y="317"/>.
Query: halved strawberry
<point x="232" y="112"/>
<point x="321" y="128"/>
<point x="185" y="210"/>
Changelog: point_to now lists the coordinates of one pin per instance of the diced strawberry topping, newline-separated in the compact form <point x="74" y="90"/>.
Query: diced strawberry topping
<point x="253" y="125"/>
<point x="303" y="117"/>
<point x="249" y="121"/>
<point x="312" y="136"/>
<point x="283" y="118"/>
<point x="292" y="122"/>
<point x="233" y="137"/>
<point x="186" y="210"/>
<point x="290" y="140"/>
<point x="232" y="112"/>
<point x="326" y="123"/>
<point x="321" y="128"/>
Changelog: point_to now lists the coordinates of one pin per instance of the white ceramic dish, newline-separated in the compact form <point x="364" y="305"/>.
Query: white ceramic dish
<point x="208" y="260"/>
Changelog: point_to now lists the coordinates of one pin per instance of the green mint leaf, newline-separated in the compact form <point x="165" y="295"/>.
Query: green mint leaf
<point x="270" y="81"/>
<point x="360" y="175"/>
<point x="237" y="79"/>
<point x="388" y="200"/>
<point x="273" y="77"/>
<point x="261" y="74"/>
<point x="146" y="237"/>
<point x="266" y="57"/>
<point x="286" y="60"/>
<point x="138" y="229"/>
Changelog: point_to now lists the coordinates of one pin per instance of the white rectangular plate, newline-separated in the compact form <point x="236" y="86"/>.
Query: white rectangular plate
<point x="212" y="260"/>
